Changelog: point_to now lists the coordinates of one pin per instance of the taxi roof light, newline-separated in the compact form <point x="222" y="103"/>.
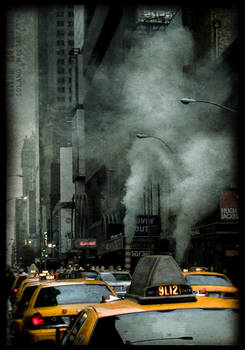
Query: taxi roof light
<point x="159" y="279"/>
<point x="198" y="269"/>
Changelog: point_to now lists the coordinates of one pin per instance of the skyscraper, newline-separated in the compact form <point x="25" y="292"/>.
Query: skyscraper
<point x="55" y="40"/>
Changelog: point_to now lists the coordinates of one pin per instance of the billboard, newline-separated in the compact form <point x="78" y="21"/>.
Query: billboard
<point x="147" y="225"/>
<point x="229" y="205"/>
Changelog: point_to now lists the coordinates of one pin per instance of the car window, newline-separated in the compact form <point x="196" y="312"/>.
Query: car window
<point x="20" y="279"/>
<point x="208" y="280"/>
<point x="71" y="294"/>
<point x="91" y="274"/>
<point x="181" y="327"/>
<point x="108" y="277"/>
<point x="121" y="276"/>
<point x="26" y="296"/>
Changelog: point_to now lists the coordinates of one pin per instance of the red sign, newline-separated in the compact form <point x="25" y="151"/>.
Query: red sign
<point x="87" y="243"/>
<point x="229" y="206"/>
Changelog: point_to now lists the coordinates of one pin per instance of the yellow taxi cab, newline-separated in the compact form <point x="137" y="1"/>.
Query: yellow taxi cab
<point x="209" y="283"/>
<point x="162" y="310"/>
<point x="15" y="286"/>
<point x="21" y="305"/>
<point x="55" y="303"/>
<point x="22" y="286"/>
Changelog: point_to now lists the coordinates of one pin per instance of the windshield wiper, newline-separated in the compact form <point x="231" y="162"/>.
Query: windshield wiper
<point x="146" y="340"/>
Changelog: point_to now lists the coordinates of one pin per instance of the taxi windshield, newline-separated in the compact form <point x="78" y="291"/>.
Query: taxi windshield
<point x="215" y="280"/>
<point x="71" y="294"/>
<point x="181" y="327"/>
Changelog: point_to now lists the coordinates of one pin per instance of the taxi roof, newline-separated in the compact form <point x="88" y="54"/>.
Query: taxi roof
<point x="204" y="273"/>
<point x="48" y="283"/>
<point x="125" y="306"/>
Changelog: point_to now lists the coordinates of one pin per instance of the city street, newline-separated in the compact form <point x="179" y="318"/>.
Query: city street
<point x="122" y="144"/>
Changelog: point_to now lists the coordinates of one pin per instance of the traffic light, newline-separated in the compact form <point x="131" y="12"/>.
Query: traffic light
<point x="44" y="253"/>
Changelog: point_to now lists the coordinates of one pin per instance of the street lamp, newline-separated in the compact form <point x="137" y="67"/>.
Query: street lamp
<point x="186" y="100"/>
<point x="144" y="136"/>
<point x="9" y="199"/>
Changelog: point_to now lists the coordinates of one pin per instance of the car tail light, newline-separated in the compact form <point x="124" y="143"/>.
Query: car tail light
<point x="203" y="291"/>
<point x="15" y="290"/>
<point x="37" y="320"/>
<point x="237" y="294"/>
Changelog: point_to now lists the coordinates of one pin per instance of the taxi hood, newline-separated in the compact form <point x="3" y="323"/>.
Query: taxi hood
<point x="155" y="270"/>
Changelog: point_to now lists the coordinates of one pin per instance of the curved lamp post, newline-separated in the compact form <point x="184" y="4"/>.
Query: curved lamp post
<point x="9" y="199"/>
<point x="186" y="100"/>
<point x="144" y="136"/>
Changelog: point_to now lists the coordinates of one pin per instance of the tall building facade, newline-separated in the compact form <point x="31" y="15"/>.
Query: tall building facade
<point x="55" y="40"/>
<point x="21" y="111"/>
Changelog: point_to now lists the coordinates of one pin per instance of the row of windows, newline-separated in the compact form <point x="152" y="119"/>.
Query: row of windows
<point x="62" y="23"/>
<point x="62" y="42"/>
<point x="62" y="60"/>
<point x="62" y="14"/>
<point x="62" y="70"/>
<point x="62" y="99"/>
<point x="63" y="80"/>
<point x="62" y="33"/>
<point x="62" y="89"/>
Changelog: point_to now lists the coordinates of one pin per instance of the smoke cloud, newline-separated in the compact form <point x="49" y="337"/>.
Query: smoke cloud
<point x="203" y="141"/>
<point x="145" y="92"/>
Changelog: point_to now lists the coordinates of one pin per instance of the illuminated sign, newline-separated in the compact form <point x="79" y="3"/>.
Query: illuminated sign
<point x="229" y="206"/>
<point x="84" y="243"/>
<point x="168" y="290"/>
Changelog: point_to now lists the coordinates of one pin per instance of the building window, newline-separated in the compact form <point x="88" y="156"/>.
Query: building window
<point x="60" y="99"/>
<point x="60" y="70"/>
<point x="61" y="80"/>
<point x="70" y="24"/>
<point x="61" y="89"/>
<point x="71" y="42"/>
<point x="60" y="23"/>
<point x="60" y="42"/>
<point x="60" y="61"/>
<point x="60" y="33"/>
<point x="71" y="33"/>
<point x="70" y="14"/>
<point x="60" y="14"/>
<point x="60" y="52"/>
